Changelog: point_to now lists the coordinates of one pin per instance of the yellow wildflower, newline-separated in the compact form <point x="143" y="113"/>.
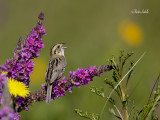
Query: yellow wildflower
<point x="130" y="33"/>
<point x="17" y="88"/>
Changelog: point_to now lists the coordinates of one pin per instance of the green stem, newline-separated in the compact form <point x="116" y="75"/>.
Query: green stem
<point x="123" y="98"/>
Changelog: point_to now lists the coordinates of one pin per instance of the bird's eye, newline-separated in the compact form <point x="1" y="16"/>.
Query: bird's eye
<point x="58" y="46"/>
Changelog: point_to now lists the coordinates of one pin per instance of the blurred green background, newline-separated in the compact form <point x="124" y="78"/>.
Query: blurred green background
<point x="94" y="30"/>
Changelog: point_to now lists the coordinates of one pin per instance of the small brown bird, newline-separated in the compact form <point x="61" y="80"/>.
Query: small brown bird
<point x="56" y="67"/>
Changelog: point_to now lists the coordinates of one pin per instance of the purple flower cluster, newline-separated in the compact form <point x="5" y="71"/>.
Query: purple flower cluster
<point x="20" y="66"/>
<point x="59" y="88"/>
<point x="33" y="43"/>
<point x="22" y="103"/>
<point x="20" y="70"/>
<point x="8" y="114"/>
<point x="39" y="95"/>
<point x="79" y="77"/>
<point x="82" y="76"/>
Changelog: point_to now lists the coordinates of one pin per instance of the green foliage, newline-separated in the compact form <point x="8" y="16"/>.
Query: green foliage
<point x="118" y="68"/>
<point x="99" y="92"/>
<point x="90" y="116"/>
<point x="148" y="109"/>
<point x="117" y="79"/>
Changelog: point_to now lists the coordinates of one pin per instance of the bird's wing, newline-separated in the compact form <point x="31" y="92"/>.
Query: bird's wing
<point x="51" y="70"/>
<point x="55" y="69"/>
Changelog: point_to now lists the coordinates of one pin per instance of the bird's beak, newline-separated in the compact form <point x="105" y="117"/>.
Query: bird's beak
<point x="64" y="47"/>
<point x="63" y="44"/>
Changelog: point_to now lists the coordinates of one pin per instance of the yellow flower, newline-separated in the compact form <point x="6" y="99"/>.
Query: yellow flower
<point x="131" y="33"/>
<point x="17" y="88"/>
<point x="4" y="73"/>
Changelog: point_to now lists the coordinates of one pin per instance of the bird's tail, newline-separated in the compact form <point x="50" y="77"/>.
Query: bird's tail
<point x="49" y="90"/>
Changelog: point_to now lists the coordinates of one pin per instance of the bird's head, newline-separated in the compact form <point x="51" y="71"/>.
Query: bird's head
<point x="58" y="49"/>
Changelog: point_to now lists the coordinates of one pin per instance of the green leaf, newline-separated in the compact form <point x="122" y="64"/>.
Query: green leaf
<point x="90" y="116"/>
<point x="99" y="92"/>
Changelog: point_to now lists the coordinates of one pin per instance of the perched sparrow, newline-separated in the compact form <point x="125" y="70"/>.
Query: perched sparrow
<point x="56" y="67"/>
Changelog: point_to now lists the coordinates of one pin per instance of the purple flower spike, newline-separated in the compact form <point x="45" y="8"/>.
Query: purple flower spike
<point x="83" y="76"/>
<point x="20" y="66"/>
<point x="77" y="78"/>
